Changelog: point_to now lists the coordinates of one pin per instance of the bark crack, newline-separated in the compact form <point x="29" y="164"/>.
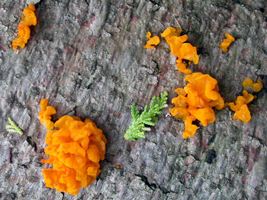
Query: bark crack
<point x="153" y="186"/>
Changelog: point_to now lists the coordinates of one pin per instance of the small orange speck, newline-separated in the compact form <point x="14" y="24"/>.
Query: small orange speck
<point x="152" y="41"/>
<point x="227" y="42"/>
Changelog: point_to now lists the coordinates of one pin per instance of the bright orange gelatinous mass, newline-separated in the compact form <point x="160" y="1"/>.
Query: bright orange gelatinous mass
<point x="240" y="106"/>
<point x="256" y="87"/>
<point x="45" y="114"/>
<point x="195" y="102"/>
<point x="28" y="19"/>
<point x="247" y="82"/>
<point x="226" y="42"/>
<point x="28" y="16"/>
<point x="183" y="51"/>
<point x="75" y="148"/>
<point x="151" y="41"/>
<point x="169" y="32"/>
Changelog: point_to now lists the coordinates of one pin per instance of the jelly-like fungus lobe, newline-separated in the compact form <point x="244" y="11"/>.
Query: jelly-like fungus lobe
<point x="74" y="148"/>
<point x="195" y="102"/>
<point x="45" y="114"/>
<point x="243" y="114"/>
<point x="226" y="42"/>
<point x="28" y="19"/>
<point x="240" y="106"/>
<point x="28" y="16"/>
<point x="256" y="87"/>
<point x="247" y="82"/>
<point x="152" y="41"/>
<point x="183" y="51"/>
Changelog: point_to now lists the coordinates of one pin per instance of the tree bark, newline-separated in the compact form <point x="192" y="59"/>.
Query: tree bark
<point x="87" y="58"/>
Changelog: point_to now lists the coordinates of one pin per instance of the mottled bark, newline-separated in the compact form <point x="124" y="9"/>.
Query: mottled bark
<point x="87" y="58"/>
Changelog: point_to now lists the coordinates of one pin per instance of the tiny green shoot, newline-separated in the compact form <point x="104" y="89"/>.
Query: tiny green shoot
<point x="147" y="117"/>
<point x="13" y="127"/>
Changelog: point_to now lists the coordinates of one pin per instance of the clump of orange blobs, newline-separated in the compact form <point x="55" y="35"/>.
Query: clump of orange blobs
<point x="183" y="51"/>
<point x="240" y="105"/>
<point x="226" y="42"/>
<point x="28" y="19"/>
<point x="256" y="87"/>
<point x="75" y="148"/>
<point x="151" y="41"/>
<point x="195" y="102"/>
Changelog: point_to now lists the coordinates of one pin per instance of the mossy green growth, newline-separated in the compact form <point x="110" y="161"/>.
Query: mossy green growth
<point x="13" y="127"/>
<point x="147" y="117"/>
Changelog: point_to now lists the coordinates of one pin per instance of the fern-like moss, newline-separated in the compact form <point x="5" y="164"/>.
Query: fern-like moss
<point x="147" y="117"/>
<point x="13" y="127"/>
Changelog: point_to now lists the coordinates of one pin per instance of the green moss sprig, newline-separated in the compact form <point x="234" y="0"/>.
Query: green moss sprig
<point x="13" y="127"/>
<point x="147" y="117"/>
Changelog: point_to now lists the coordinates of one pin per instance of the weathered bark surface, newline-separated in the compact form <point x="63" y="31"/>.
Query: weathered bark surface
<point x="87" y="58"/>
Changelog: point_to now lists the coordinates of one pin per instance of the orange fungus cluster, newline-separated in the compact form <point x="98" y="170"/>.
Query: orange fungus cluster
<point x="195" y="102"/>
<point x="151" y="41"/>
<point x="28" y="19"/>
<point x="240" y="105"/>
<point x="227" y="42"/>
<point x="255" y="86"/>
<point x="183" y="51"/>
<point x="75" y="149"/>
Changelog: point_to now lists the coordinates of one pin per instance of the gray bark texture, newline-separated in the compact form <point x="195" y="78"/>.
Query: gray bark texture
<point x="87" y="58"/>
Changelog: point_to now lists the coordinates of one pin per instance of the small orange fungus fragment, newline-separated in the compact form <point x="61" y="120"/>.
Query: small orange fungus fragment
<point x="247" y="96"/>
<point x="183" y="51"/>
<point x="151" y="41"/>
<point x="190" y="129"/>
<point x="195" y="102"/>
<point x="45" y="114"/>
<point x="28" y="16"/>
<point x="169" y="32"/>
<point x="255" y="86"/>
<point x="243" y="114"/>
<point x="260" y="81"/>
<point x="247" y="82"/>
<point x="28" y="19"/>
<point x="226" y="42"/>
<point x="240" y="106"/>
<point x="75" y="148"/>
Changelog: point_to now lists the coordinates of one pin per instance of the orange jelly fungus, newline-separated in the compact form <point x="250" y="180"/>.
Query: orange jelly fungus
<point x="28" y="19"/>
<point x="183" y="51"/>
<point x="247" y="82"/>
<point x="151" y="41"/>
<point x="226" y="42"/>
<point x="240" y="106"/>
<point x="45" y="114"/>
<point x="75" y="148"/>
<point x="255" y="86"/>
<point x="195" y="102"/>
